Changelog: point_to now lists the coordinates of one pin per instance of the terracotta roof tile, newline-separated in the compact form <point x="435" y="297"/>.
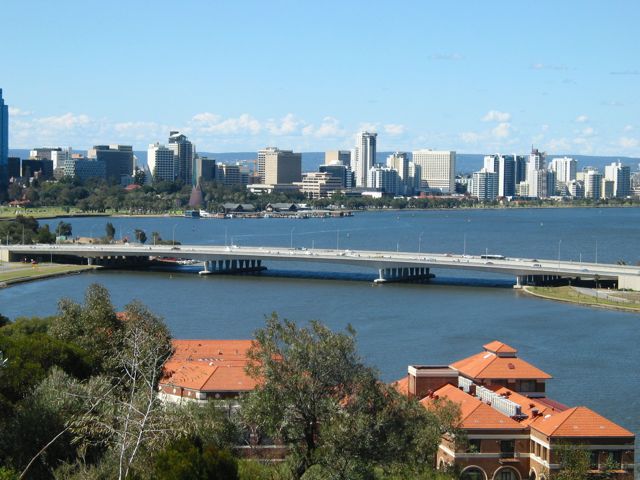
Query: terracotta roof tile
<point x="402" y="385"/>
<point x="578" y="422"/>
<point x="488" y="365"/>
<point x="499" y="347"/>
<point x="474" y="414"/>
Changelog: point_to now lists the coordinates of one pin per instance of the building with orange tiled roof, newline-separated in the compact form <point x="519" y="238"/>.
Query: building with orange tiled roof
<point x="204" y="369"/>
<point x="513" y="431"/>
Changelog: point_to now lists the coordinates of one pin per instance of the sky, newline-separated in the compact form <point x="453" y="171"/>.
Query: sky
<point x="237" y="75"/>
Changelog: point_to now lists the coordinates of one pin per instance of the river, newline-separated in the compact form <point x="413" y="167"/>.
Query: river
<point x="593" y="354"/>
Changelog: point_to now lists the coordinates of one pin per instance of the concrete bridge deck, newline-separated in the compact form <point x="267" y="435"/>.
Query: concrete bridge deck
<point x="390" y="265"/>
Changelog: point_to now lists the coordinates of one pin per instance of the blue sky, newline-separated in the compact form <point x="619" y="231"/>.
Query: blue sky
<point x="475" y="77"/>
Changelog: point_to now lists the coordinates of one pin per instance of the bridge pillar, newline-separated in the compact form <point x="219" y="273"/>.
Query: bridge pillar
<point x="205" y="271"/>
<point x="519" y="280"/>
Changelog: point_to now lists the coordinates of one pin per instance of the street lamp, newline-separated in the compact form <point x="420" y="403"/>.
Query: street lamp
<point x="338" y="239"/>
<point x="292" y="237"/>
<point x="420" y="242"/>
<point x="464" y="245"/>
<point x="173" y="234"/>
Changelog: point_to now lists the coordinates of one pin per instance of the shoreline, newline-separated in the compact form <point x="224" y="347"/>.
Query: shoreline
<point x="44" y="276"/>
<point x="527" y="290"/>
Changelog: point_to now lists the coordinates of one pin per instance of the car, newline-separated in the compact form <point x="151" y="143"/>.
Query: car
<point x="537" y="265"/>
<point x="488" y="263"/>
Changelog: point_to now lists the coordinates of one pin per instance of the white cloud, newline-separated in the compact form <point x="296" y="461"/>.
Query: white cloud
<point x="588" y="132"/>
<point x="210" y="123"/>
<point x="330" y="127"/>
<point x="627" y="142"/>
<point x="582" y="119"/>
<point x="558" y="145"/>
<point x="17" y="112"/>
<point x="496" y="116"/>
<point x="287" y="125"/>
<point x="628" y="128"/>
<point x="394" y="129"/>
<point x="470" y="137"/>
<point x="502" y="130"/>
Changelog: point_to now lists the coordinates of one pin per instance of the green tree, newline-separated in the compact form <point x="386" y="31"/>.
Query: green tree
<point x="188" y="459"/>
<point x="110" y="231"/>
<point x="63" y="229"/>
<point x="317" y="396"/>
<point x="140" y="235"/>
<point x="574" y="462"/>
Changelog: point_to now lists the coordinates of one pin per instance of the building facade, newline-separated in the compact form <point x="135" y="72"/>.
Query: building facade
<point x="505" y="167"/>
<point x="437" y="169"/>
<point x="282" y="166"/>
<point x="320" y="184"/>
<point x="161" y="162"/>
<point x="4" y="147"/>
<point x="118" y="160"/>
<point x="204" y="169"/>
<point x="385" y="179"/>
<point x="84" y="168"/>
<point x="484" y="185"/>
<point x="512" y="430"/>
<point x="338" y="157"/>
<point x="364" y="157"/>
<point x="184" y="154"/>
<point x="620" y="175"/>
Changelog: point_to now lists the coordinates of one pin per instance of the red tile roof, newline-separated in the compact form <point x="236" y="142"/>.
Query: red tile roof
<point x="499" y="347"/>
<point x="474" y="414"/>
<point x="402" y="385"/>
<point x="209" y="366"/>
<point x="488" y="365"/>
<point x="578" y="422"/>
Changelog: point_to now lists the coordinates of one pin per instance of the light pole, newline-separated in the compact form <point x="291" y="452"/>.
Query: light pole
<point x="596" y="250"/>
<point x="173" y="234"/>
<point x="420" y="242"/>
<point x="225" y="236"/>
<point x="464" y="245"/>
<point x="292" y="237"/>
<point x="338" y="239"/>
<point x="398" y="246"/>
<point x="559" y="244"/>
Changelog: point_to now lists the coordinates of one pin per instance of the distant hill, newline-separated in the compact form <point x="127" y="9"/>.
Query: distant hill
<point x="465" y="162"/>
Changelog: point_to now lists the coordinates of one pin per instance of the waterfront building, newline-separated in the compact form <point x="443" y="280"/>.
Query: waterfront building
<point x="343" y="172"/>
<point x="565" y="168"/>
<point x="504" y="166"/>
<point x="204" y="169"/>
<point x="575" y="188"/>
<point x="162" y="162"/>
<point x="607" y="189"/>
<point x="58" y="157"/>
<point x="415" y="177"/>
<point x="262" y="154"/>
<point x="399" y="161"/>
<point x="118" y="160"/>
<point x="201" y="370"/>
<point x="520" y="168"/>
<point x="364" y="157"/>
<point x="484" y="185"/>
<point x="4" y="147"/>
<point x="537" y="177"/>
<point x="184" y="153"/>
<point x="230" y="175"/>
<point x="437" y="169"/>
<point x="592" y="184"/>
<point x="282" y="166"/>
<point x="620" y="175"/>
<point x="319" y="184"/>
<point x="84" y="168"/>
<point x="385" y="179"/>
<point x="338" y="157"/>
<point x="513" y="430"/>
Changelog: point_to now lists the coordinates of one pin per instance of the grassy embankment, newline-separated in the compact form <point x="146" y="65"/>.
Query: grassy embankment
<point x="17" y="272"/>
<point x="604" y="300"/>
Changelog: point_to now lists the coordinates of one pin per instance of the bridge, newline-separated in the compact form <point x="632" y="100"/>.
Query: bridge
<point x="391" y="266"/>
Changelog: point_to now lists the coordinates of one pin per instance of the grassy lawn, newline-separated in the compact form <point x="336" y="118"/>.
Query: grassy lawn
<point x="568" y="294"/>
<point x="41" y="212"/>
<point x="12" y="273"/>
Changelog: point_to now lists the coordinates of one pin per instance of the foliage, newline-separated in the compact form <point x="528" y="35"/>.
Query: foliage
<point x="110" y="231"/>
<point x="318" y="397"/>
<point x="140" y="235"/>
<point x="25" y="230"/>
<point x="93" y="326"/>
<point x="187" y="459"/>
<point x="63" y="229"/>
<point x="574" y="462"/>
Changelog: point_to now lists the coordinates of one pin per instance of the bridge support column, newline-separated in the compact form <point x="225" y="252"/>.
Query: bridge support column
<point x="519" y="281"/>
<point x="89" y="261"/>
<point x="206" y="268"/>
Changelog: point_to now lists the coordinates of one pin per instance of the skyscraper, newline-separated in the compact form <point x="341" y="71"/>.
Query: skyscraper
<point x="365" y="157"/>
<point x="4" y="147"/>
<point x="484" y="185"/>
<point x="118" y="160"/>
<point x="505" y="167"/>
<point x="282" y="166"/>
<point x="337" y="157"/>
<point x="620" y="175"/>
<point x="438" y="169"/>
<point x="161" y="162"/>
<point x="183" y="151"/>
<point x="260" y="167"/>
<point x="537" y="175"/>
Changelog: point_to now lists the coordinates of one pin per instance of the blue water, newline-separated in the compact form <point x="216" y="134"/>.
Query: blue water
<point x="593" y="354"/>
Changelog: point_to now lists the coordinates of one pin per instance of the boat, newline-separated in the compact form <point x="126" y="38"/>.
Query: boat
<point x="192" y="213"/>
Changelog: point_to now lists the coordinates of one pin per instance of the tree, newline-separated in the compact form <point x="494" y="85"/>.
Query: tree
<point x="139" y="176"/>
<point x="63" y="229"/>
<point x="110" y="231"/>
<point x="141" y="236"/>
<point x="188" y="458"/>
<point x="316" y="395"/>
<point x="574" y="462"/>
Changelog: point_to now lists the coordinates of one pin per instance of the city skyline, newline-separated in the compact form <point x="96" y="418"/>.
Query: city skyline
<point x="488" y="79"/>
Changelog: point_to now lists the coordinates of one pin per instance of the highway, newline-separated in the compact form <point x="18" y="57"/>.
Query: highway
<point x="379" y="260"/>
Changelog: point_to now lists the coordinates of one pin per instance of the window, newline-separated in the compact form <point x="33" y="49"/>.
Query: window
<point x="527" y="385"/>
<point x="507" y="448"/>
<point x="615" y="459"/>
<point x="472" y="473"/>
<point x="594" y="460"/>
<point x="507" y="474"/>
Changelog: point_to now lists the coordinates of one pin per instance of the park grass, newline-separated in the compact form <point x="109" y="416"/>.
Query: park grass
<point x="46" y="212"/>
<point x="569" y="294"/>
<point x="36" y="272"/>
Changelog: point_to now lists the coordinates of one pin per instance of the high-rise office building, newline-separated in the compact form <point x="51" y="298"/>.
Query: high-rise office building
<point x="43" y="153"/>
<point x="386" y="179"/>
<point x="399" y="161"/>
<point x="260" y="163"/>
<point x="338" y="157"/>
<point x="282" y="166"/>
<point x="592" y="184"/>
<point x="184" y="152"/>
<point x="118" y="160"/>
<point x="484" y="184"/>
<point x="320" y="184"/>
<point x="438" y="169"/>
<point x="537" y="178"/>
<point x="84" y="168"/>
<point x="565" y="168"/>
<point x="4" y="147"/>
<point x="364" y="157"/>
<point x="341" y="172"/>
<point x="620" y="175"/>
<point x="204" y="169"/>
<point x="162" y="162"/>
<point x="59" y="157"/>
<point x="505" y="167"/>
<point x="520" y="169"/>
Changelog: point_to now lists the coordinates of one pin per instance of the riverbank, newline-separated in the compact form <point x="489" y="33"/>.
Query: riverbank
<point x="615" y="300"/>
<point x="15" y="273"/>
